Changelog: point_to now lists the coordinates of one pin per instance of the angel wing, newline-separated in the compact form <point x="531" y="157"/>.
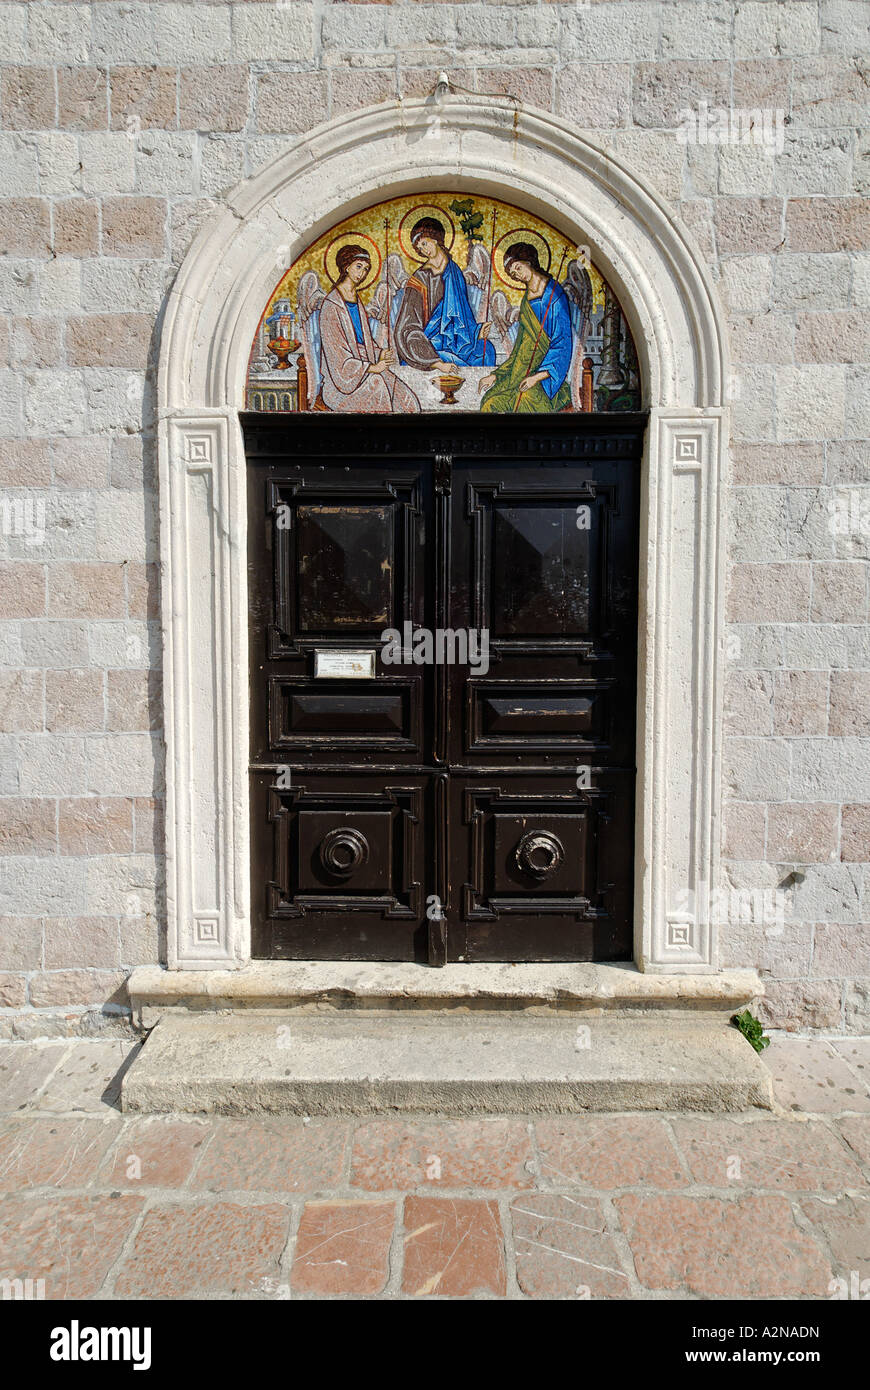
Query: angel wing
<point x="309" y="297"/>
<point x="578" y="287"/>
<point x="477" y="277"/>
<point x="505" y="317"/>
<point x="389" y="290"/>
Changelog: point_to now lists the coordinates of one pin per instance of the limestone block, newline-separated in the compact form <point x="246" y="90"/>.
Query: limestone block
<point x="810" y="402"/>
<point x="121" y="764"/>
<point x="278" y="33"/>
<point x="768" y="30"/>
<point x="108" y="162"/>
<point x="58" y="33"/>
<point x="123" y="33"/>
<point x="54" y="402"/>
<point x="197" y="34"/>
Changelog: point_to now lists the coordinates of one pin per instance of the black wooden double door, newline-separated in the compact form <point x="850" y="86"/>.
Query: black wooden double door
<point x="443" y="648"/>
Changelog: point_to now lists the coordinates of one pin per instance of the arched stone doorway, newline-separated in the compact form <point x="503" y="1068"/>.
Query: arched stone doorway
<point x="535" y="162"/>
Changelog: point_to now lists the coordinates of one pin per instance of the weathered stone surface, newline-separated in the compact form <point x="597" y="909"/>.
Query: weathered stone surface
<point x="798" y="832"/>
<point x="564" y="1249"/>
<point x="216" y="1248"/>
<point x="384" y="985"/>
<point x="278" y="1155"/>
<point x="343" y="1247"/>
<point x="765" y="1153"/>
<point x="855" y="843"/>
<point x="809" y="1075"/>
<point x="389" y="1155"/>
<point x="585" y="1152"/>
<point x="72" y="1242"/>
<point x="362" y="1060"/>
<point x="453" y="1248"/>
<point x="698" y="1245"/>
<point x="793" y="1004"/>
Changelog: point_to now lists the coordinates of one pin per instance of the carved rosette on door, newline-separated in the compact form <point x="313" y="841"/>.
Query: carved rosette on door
<point x="460" y="798"/>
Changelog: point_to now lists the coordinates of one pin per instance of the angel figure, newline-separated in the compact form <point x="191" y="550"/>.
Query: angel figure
<point x="505" y="321"/>
<point x="436" y="323"/>
<point x="356" y="375"/>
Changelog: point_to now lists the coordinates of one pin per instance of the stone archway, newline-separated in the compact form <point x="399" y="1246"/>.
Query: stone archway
<point x="210" y="320"/>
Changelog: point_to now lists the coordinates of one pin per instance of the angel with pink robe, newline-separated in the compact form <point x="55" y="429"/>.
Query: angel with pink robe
<point x="356" y="376"/>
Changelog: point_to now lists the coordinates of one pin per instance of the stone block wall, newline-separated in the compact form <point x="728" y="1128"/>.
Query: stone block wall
<point x="124" y="123"/>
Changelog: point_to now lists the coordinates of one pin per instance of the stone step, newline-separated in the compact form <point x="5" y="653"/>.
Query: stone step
<point x="384" y="985"/>
<point x="364" y="1061"/>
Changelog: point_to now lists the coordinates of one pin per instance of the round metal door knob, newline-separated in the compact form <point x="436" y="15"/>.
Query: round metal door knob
<point x="539" y="853"/>
<point x="343" y="852"/>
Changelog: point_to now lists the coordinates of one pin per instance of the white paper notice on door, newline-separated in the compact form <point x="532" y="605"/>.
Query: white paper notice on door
<point x="358" y="665"/>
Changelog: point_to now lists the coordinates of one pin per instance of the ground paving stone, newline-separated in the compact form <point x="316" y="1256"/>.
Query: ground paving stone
<point x="343" y="1247"/>
<point x="24" y="1069"/>
<point x="71" y="1243"/>
<point x="577" y="1207"/>
<point x="88" y="1077"/>
<point x="563" y="1249"/>
<point x="608" y="1151"/>
<point x="816" y="1076"/>
<point x="284" y="1154"/>
<point x="453" y="1246"/>
<point x="52" y="1153"/>
<point x="219" y="1247"/>
<point x="451" y="1153"/>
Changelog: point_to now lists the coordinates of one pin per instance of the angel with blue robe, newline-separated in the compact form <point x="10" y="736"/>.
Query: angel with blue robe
<point x="436" y="323"/>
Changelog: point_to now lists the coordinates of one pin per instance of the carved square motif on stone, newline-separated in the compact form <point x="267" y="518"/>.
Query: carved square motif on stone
<point x="688" y="448"/>
<point x="679" y="933"/>
<point x="199" y="449"/>
<point x="207" y="931"/>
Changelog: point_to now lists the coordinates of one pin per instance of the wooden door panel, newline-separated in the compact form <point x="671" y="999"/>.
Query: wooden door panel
<point x="344" y="565"/>
<point x="545" y="716"/>
<point x="453" y="783"/>
<point x="381" y="715"/>
<point x="538" y="870"/>
<point x="343" y="864"/>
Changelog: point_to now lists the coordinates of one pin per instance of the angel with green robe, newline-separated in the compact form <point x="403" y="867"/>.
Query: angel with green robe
<point x="534" y="377"/>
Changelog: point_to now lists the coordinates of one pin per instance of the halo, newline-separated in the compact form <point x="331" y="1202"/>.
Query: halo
<point x="425" y="210"/>
<point x="540" y="244"/>
<point x="351" y="239"/>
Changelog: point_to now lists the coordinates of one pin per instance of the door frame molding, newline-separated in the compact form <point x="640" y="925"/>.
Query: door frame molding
<point x="535" y="161"/>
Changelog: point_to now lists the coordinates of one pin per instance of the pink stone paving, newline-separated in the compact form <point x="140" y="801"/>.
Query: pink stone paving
<point x="184" y="1252"/>
<point x="453" y="1247"/>
<point x="71" y="1243"/>
<point x="453" y="1153"/>
<point x="284" y="1154"/>
<point x="59" y="1153"/>
<point x="749" y="1248"/>
<point x="801" y="1157"/>
<point x="343" y="1247"/>
<point x="608" y="1151"/>
<point x="564" y="1250"/>
<point x="159" y="1151"/>
<point x="573" y="1207"/>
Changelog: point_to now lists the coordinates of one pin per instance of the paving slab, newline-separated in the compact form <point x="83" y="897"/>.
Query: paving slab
<point x="24" y="1070"/>
<point x="564" y="1249"/>
<point x="364" y="1061"/>
<point x="581" y="1206"/>
<point x="88" y="1077"/>
<point x="813" y="1076"/>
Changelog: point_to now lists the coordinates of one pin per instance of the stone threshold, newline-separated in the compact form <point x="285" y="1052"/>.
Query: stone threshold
<point x="317" y="985"/>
